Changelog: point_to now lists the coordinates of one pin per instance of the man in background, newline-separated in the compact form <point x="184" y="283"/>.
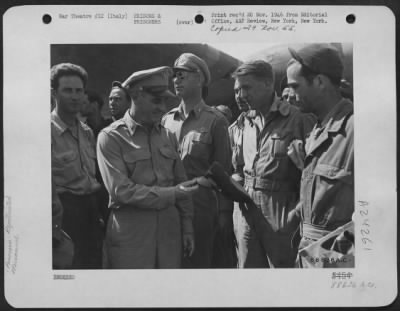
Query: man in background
<point x="92" y="111"/>
<point x="119" y="100"/>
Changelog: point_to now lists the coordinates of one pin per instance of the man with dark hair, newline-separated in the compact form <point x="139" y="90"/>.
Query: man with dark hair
<point x="91" y="109"/>
<point x="327" y="185"/>
<point x="119" y="100"/>
<point x="74" y="165"/>
<point x="202" y="133"/>
<point x="270" y="176"/>
<point x="151" y="210"/>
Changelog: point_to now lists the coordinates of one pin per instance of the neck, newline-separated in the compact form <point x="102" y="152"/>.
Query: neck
<point x="264" y="109"/>
<point x="189" y="103"/>
<point x="329" y="103"/>
<point x="67" y="118"/>
<point x="139" y="120"/>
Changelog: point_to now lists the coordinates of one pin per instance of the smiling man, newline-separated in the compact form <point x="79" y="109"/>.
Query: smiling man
<point x="74" y="166"/>
<point x="151" y="213"/>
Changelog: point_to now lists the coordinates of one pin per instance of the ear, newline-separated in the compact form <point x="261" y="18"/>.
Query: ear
<point x="319" y="81"/>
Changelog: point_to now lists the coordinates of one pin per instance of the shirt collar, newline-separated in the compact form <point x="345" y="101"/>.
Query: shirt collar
<point x="59" y="125"/>
<point x="277" y="106"/>
<point x="334" y="119"/>
<point x="196" y="110"/>
<point x="133" y="125"/>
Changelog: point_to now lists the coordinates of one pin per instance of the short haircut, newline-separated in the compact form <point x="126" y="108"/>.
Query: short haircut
<point x="67" y="69"/>
<point x="310" y="74"/>
<point x="123" y="89"/>
<point x="94" y="97"/>
<point x="257" y="68"/>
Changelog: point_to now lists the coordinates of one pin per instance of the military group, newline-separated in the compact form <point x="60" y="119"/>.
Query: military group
<point x="132" y="192"/>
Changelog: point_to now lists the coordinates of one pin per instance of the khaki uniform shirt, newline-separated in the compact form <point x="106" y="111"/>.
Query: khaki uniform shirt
<point x="73" y="157"/>
<point x="140" y="170"/>
<point x="271" y="177"/>
<point x="327" y="184"/>
<point x="203" y="138"/>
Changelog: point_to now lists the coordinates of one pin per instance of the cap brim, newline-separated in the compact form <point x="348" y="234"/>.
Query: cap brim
<point x="176" y="68"/>
<point x="166" y="93"/>
<point x="295" y="55"/>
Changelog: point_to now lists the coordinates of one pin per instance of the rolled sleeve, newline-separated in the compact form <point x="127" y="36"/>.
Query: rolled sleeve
<point x="122" y="190"/>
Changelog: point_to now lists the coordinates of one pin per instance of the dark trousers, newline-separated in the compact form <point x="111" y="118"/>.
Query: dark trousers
<point x="81" y="223"/>
<point x="205" y="227"/>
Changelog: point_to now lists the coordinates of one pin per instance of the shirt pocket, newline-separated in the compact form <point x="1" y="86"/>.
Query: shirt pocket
<point x="168" y="156"/>
<point x="138" y="164"/>
<point x="66" y="167"/>
<point x="280" y="144"/>
<point x="199" y="144"/>
<point x="333" y="173"/>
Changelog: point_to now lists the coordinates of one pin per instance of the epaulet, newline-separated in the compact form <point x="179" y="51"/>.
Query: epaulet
<point x="85" y="126"/>
<point x="214" y="111"/>
<point x="114" y="126"/>
<point x="173" y="110"/>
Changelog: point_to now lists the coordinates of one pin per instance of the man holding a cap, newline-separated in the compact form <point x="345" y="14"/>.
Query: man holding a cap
<point x="119" y="100"/>
<point x="327" y="186"/>
<point x="271" y="177"/>
<point x="202" y="133"/>
<point x="151" y="211"/>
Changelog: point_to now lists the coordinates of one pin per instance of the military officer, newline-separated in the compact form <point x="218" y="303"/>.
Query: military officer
<point x="202" y="133"/>
<point x="150" y="224"/>
<point x="270" y="176"/>
<point x="327" y="185"/>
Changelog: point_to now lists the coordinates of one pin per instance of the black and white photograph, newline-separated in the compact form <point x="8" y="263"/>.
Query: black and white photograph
<point x="220" y="156"/>
<point x="229" y="128"/>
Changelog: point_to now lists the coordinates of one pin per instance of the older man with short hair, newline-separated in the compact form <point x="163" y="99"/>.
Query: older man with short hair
<point x="271" y="177"/>
<point x="150" y="224"/>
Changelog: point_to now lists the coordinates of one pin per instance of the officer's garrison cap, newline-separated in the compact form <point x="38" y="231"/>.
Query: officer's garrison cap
<point x="191" y="62"/>
<point x="154" y="81"/>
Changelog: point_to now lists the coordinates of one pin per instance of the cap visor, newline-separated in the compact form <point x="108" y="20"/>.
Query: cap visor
<point x="184" y="68"/>
<point x="166" y="93"/>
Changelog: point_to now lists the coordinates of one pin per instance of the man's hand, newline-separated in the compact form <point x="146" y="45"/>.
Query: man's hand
<point x="188" y="244"/>
<point x="184" y="190"/>
<point x="293" y="219"/>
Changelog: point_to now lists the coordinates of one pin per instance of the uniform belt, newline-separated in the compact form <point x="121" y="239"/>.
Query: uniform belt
<point x="312" y="232"/>
<point x="267" y="184"/>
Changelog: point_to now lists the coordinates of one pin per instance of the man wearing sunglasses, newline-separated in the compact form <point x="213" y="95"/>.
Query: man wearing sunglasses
<point x="202" y="133"/>
<point x="327" y="184"/>
<point x="151" y="211"/>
